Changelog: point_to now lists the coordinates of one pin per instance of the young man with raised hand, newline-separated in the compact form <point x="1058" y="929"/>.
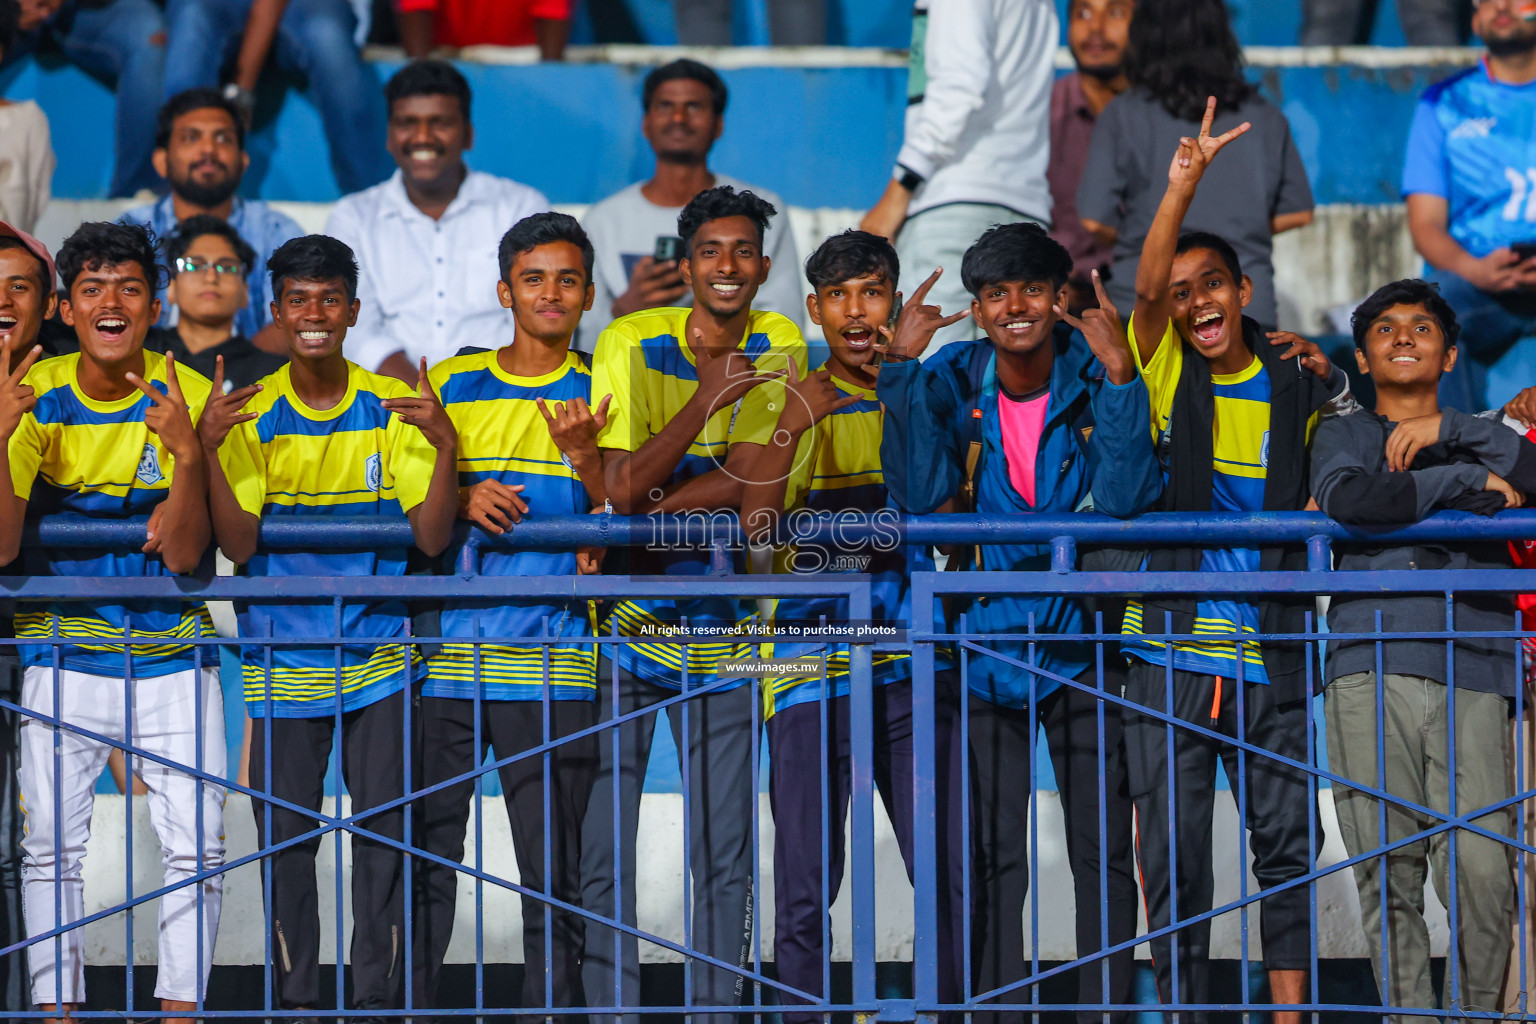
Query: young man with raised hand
<point x="1406" y="460"/>
<point x="677" y="376"/>
<point x="323" y="436"/>
<point x="207" y="261"/>
<point x="1233" y="410"/>
<point x="1031" y="418"/>
<point x="107" y="432"/>
<point x="527" y="431"/>
<point x="824" y="457"/>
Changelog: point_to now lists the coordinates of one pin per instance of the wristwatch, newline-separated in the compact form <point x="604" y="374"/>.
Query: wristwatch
<point x="243" y="99"/>
<point x="907" y="178"/>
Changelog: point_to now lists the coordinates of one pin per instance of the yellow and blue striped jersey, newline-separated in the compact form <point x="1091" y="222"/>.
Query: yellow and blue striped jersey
<point x="1240" y="436"/>
<point x="837" y="469"/>
<point x="643" y="361"/>
<point x="503" y="437"/>
<point x="349" y="460"/>
<point x="72" y="453"/>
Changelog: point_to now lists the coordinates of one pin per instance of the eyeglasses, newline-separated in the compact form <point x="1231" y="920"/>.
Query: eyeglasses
<point x="193" y="265"/>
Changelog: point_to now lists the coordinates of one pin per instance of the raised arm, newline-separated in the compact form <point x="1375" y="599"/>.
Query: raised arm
<point x="183" y="515"/>
<point x="260" y="32"/>
<point x="1154" y="304"/>
<point x="235" y="531"/>
<point x="432" y="519"/>
<point x="16" y="400"/>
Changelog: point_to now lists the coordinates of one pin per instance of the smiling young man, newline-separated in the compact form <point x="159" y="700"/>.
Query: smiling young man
<point x="1390" y="467"/>
<point x="1030" y="418"/>
<point x="1233" y="410"/>
<point x="107" y="432"/>
<point x="676" y="376"/>
<point x="527" y="430"/>
<point x="207" y="261"/>
<point x="200" y="152"/>
<point x="426" y="239"/>
<point x="824" y="457"/>
<point x="323" y="436"/>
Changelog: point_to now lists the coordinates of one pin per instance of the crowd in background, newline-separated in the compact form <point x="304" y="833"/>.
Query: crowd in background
<point x="1061" y="272"/>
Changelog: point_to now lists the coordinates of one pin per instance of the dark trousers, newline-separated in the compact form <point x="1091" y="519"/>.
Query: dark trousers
<point x="373" y="745"/>
<point x="1002" y="742"/>
<point x="15" y="986"/>
<point x="797" y="750"/>
<point x="1279" y="810"/>
<point x="552" y="967"/>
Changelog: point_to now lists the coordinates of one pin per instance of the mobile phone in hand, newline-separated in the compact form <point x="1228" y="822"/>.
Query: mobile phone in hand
<point x="1525" y="248"/>
<point x="669" y="249"/>
<point x="881" y="345"/>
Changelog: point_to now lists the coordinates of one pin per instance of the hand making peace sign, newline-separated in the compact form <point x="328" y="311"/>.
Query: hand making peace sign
<point x="16" y="398"/>
<point x="223" y="411"/>
<point x="1194" y="155"/>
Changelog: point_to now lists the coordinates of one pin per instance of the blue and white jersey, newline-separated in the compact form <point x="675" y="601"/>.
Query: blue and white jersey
<point x="1473" y="143"/>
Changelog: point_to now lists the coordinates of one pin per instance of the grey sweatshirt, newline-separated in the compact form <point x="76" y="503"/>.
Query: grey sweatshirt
<point x="1352" y="484"/>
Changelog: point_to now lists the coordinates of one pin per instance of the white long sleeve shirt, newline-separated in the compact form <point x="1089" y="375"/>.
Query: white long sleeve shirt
<point x="428" y="287"/>
<point x="979" y="103"/>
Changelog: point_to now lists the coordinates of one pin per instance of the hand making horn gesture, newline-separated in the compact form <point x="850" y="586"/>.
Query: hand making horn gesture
<point x="1105" y="334"/>
<point x="222" y="412"/>
<point x="426" y="413"/>
<point x="917" y="323"/>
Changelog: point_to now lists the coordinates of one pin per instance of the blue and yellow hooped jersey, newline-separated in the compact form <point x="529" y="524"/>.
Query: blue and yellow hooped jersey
<point x="837" y="468"/>
<point x="72" y="453"/>
<point x="504" y="437"/>
<point x="348" y="460"/>
<point x="643" y="361"/>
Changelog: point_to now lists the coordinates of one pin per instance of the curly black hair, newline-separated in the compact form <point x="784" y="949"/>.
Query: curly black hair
<point x="313" y="258"/>
<point x="1021" y="251"/>
<point x="723" y="201"/>
<point x="1183" y="51"/>
<point x="1407" y="292"/>
<point x="103" y="243"/>
<point x="541" y="229"/>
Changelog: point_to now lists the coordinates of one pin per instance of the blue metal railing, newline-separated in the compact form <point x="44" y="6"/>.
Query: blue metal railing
<point x="927" y="639"/>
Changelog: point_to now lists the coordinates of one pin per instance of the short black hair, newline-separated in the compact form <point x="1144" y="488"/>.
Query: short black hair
<point x="1407" y="292"/>
<point x="427" y="78"/>
<point x="193" y="228"/>
<point x="541" y="229"/>
<point x="185" y="102"/>
<point x="1192" y="240"/>
<point x="1020" y="251"/>
<point x="102" y="243"/>
<point x="313" y="258"/>
<point x="851" y="254"/>
<point x="10" y="25"/>
<point x="12" y="242"/>
<point x="689" y="70"/>
<point x="723" y="201"/>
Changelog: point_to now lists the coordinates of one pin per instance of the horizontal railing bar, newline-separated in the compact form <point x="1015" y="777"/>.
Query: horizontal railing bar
<point x="1194" y="529"/>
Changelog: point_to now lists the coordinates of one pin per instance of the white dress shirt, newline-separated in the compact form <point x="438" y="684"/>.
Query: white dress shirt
<point x="428" y="287"/>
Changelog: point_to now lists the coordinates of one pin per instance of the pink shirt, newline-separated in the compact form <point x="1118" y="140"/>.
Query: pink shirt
<point x="1022" y="421"/>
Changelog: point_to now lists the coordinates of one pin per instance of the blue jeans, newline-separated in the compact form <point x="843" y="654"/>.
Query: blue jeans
<point x="1498" y="352"/>
<point x="123" y="42"/>
<point x="315" y="41"/>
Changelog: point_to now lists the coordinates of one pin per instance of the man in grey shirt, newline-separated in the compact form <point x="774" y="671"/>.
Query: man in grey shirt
<point x="684" y="104"/>
<point x="1258" y="190"/>
<point x="1396" y="465"/>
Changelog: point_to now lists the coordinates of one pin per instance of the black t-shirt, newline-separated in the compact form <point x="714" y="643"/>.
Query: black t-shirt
<point x="244" y="363"/>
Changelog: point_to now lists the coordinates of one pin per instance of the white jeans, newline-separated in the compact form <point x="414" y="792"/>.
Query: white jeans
<point x="58" y="815"/>
<point x="939" y="238"/>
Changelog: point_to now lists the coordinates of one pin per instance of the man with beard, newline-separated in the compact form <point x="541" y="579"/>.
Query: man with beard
<point x="1469" y="178"/>
<point x="200" y="150"/>
<point x="1097" y="32"/>
<point x="427" y="238"/>
<point x="684" y="104"/>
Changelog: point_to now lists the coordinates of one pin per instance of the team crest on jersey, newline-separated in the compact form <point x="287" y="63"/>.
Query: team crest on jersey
<point x="149" y="466"/>
<point x="566" y="460"/>
<point x="1264" y="451"/>
<point x="374" y="471"/>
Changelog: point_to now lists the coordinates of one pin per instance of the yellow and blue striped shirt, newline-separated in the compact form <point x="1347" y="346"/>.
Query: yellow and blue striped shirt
<point x="350" y="460"/>
<point x="504" y="437"/>
<point x="72" y="453"/>
<point x="644" y="362"/>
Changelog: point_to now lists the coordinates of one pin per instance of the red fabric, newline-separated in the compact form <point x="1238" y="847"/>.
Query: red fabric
<point x="489" y="22"/>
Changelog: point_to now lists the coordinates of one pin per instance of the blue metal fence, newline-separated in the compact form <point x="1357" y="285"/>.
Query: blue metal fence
<point x="927" y="640"/>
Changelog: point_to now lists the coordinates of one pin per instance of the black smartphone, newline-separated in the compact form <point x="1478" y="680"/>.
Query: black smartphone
<point x="881" y="345"/>
<point x="669" y="249"/>
<point x="1525" y="248"/>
